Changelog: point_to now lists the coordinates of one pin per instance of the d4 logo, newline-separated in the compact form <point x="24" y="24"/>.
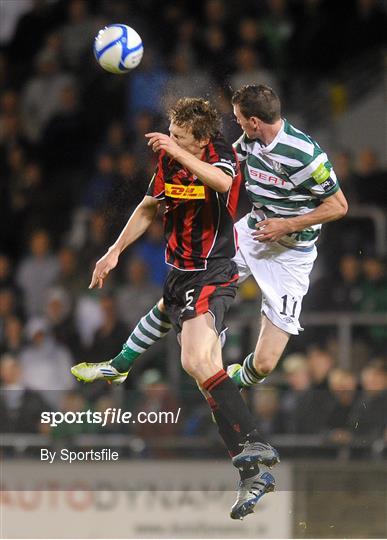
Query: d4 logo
<point x="176" y="191"/>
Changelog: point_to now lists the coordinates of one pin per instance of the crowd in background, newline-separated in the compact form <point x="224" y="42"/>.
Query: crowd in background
<point x="74" y="164"/>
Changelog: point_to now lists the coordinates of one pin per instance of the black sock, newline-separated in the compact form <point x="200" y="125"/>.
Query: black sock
<point x="231" y="405"/>
<point x="231" y="438"/>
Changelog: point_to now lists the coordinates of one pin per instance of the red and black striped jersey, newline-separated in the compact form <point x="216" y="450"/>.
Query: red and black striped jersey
<point x="198" y="221"/>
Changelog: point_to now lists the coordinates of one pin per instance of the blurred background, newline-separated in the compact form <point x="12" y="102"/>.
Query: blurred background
<point x="74" y="164"/>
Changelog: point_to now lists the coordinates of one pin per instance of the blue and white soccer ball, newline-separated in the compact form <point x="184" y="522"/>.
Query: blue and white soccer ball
<point x="118" y="48"/>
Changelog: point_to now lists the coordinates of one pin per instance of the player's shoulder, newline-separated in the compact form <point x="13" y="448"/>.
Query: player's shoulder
<point x="219" y="147"/>
<point x="219" y="143"/>
<point x="297" y="144"/>
<point x="222" y="154"/>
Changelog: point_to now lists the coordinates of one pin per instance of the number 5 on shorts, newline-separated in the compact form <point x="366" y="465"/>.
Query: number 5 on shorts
<point x="189" y="298"/>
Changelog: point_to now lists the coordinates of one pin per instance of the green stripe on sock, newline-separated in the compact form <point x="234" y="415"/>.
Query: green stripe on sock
<point x="156" y="326"/>
<point x="147" y="333"/>
<point x="125" y="359"/>
<point x="138" y="341"/>
<point x="160" y="315"/>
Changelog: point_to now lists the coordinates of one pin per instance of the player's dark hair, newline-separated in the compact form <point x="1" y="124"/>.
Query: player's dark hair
<point x="258" y="100"/>
<point x="198" y="115"/>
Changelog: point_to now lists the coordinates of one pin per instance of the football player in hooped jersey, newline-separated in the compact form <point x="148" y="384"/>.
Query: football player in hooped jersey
<point x="293" y="189"/>
<point x="198" y="177"/>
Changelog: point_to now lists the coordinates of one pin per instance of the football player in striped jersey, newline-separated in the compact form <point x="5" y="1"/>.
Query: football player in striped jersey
<point x="198" y="177"/>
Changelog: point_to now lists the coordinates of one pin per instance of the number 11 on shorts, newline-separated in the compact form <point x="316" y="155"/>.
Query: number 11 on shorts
<point x="285" y="305"/>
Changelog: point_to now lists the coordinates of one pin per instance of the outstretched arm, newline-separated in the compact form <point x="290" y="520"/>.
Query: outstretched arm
<point x="137" y="224"/>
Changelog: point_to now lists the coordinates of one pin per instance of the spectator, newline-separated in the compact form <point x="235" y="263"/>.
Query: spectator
<point x="146" y="87"/>
<point x="30" y="32"/>
<point x="185" y="80"/>
<point x="145" y="122"/>
<point x="278" y="28"/>
<point x="340" y="292"/>
<point x="250" y="34"/>
<point x="115" y="142"/>
<point x="344" y="169"/>
<point x="134" y="299"/>
<point x="8" y="307"/>
<point x="369" y="419"/>
<point x="6" y="277"/>
<point x="45" y="363"/>
<point x="37" y="272"/>
<point x="110" y="335"/>
<point x="155" y="396"/>
<point x="320" y="363"/>
<point x="215" y="12"/>
<point x="73" y="402"/>
<point x="12" y="340"/>
<point x="248" y="70"/>
<point x="214" y="54"/>
<point x="30" y="202"/>
<point x="342" y="387"/>
<point x="88" y="316"/>
<point x="266" y="409"/>
<point x="60" y="320"/>
<point x="71" y="277"/>
<point x="151" y="251"/>
<point x="64" y="137"/>
<point x="297" y="415"/>
<point x="371" y="181"/>
<point x="78" y="32"/>
<point x="130" y="186"/>
<point x="99" y="188"/>
<point x="374" y="298"/>
<point x="20" y="407"/>
<point x="49" y="82"/>
<point x="96" y="241"/>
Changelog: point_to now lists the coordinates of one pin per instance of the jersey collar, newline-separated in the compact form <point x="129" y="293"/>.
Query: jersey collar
<point x="267" y="149"/>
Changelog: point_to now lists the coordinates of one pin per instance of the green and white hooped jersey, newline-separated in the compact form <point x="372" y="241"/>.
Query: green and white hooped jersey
<point x="286" y="178"/>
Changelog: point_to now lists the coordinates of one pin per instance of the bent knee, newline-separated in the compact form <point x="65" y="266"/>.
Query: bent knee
<point x="193" y="362"/>
<point x="265" y="364"/>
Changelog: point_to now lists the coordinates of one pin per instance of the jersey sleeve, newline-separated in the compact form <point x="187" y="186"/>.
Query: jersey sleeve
<point x="223" y="156"/>
<point x="156" y="186"/>
<point x="317" y="176"/>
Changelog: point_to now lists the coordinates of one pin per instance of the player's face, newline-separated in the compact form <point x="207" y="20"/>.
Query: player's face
<point x="249" y="125"/>
<point x="184" y="138"/>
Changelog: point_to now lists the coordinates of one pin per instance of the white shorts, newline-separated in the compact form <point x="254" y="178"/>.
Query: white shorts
<point x="282" y="275"/>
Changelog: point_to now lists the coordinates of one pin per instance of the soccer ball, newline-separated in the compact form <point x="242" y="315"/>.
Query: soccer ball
<point x="118" y="48"/>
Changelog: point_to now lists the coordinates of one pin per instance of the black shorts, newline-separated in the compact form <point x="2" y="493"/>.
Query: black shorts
<point x="189" y="294"/>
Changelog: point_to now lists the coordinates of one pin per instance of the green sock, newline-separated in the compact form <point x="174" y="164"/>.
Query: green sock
<point x="152" y="327"/>
<point x="247" y="375"/>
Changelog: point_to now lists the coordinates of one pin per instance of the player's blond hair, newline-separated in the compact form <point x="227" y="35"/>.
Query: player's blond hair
<point x="198" y="115"/>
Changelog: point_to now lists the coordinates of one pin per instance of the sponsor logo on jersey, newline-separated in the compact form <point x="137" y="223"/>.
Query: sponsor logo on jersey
<point x="320" y="174"/>
<point x="267" y="178"/>
<point x="328" y="184"/>
<point x="277" y="167"/>
<point x="176" y="191"/>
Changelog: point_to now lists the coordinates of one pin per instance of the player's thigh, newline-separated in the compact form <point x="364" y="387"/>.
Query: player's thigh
<point x="283" y="277"/>
<point x="243" y="268"/>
